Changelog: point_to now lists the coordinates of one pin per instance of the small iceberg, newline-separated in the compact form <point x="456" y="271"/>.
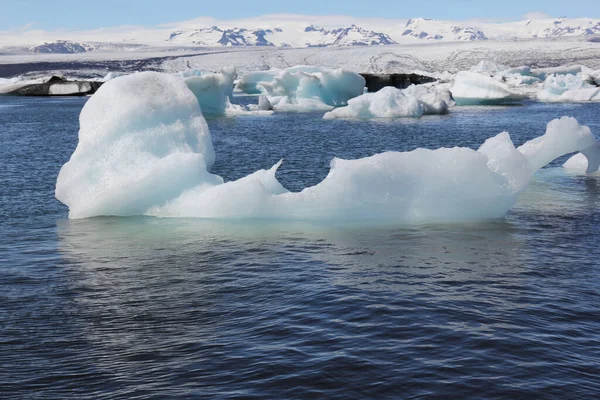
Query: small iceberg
<point x="471" y="88"/>
<point x="391" y="102"/>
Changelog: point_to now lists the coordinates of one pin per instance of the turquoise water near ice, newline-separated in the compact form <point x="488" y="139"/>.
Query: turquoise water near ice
<point x="182" y="308"/>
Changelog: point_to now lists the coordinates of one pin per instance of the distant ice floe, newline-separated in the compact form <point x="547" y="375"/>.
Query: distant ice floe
<point x="145" y="149"/>
<point x="390" y="102"/>
<point x="472" y="88"/>
<point x="565" y="84"/>
<point x="569" y="88"/>
<point x="304" y="88"/>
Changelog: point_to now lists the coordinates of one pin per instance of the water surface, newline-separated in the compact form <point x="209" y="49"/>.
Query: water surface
<point x="143" y="307"/>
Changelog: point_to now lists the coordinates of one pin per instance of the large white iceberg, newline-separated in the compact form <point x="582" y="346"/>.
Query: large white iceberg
<point x="142" y="142"/>
<point x="391" y="102"/>
<point x="304" y="88"/>
<point x="144" y="149"/>
<point x="471" y="88"/>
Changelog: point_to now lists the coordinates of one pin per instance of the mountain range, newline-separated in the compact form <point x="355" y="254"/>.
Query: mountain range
<point x="302" y="33"/>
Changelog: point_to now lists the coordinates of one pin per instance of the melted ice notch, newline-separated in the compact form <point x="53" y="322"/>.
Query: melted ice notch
<point x="144" y="149"/>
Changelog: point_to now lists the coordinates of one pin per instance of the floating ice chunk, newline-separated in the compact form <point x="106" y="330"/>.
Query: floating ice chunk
<point x="388" y="102"/>
<point x="543" y="73"/>
<point x="305" y="88"/>
<point x="513" y="77"/>
<point x="264" y="103"/>
<point x="142" y="142"/>
<point x="144" y="148"/>
<point x="248" y="83"/>
<point x="69" y="88"/>
<point x="213" y="90"/>
<point x="472" y="88"/>
<point x="391" y="102"/>
<point x="236" y="110"/>
<point x="569" y="88"/>
<point x="435" y="100"/>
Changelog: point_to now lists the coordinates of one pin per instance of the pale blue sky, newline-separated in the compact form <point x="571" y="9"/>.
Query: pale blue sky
<point x="84" y="14"/>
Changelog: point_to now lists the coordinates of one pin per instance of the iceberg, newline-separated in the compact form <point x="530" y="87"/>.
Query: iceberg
<point x="569" y="88"/>
<point x="249" y="82"/>
<point x="471" y="88"/>
<point x="214" y="92"/>
<point x="304" y="88"/>
<point x="391" y="102"/>
<point x="514" y="77"/>
<point x="543" y="73"/>
<point x="145" y="149"/>
<point x="142" y="141"/>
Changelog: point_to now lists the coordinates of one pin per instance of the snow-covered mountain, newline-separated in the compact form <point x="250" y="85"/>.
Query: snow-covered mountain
<point x="429" y="29"/>
<point x="417" y="29"/>
<point x="351" y="36"/>
<point x="214" y="36"/>
<point x="310" y="36"/>
<point x="62" y="47"/>
<point x="297" y="31"/>
<point x="545" y="28"/>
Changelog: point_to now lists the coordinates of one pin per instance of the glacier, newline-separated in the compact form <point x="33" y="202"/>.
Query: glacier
<point x="391" y="102"/>
<point x="145" y="149"/>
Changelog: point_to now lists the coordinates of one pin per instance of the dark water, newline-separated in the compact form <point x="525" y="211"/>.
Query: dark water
<point x="109" y="308"/>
